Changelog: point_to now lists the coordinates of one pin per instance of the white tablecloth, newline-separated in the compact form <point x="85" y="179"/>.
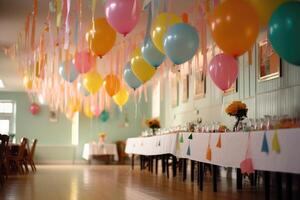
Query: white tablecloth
<point x="232" y="151"/>
<point x="90" y="149"/>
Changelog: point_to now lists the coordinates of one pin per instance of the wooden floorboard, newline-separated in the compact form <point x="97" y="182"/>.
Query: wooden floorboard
<point x="114" y="183"/>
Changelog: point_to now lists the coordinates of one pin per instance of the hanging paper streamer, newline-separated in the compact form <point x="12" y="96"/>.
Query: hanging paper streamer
<point x="246" y="165"/>
<point x="181" y="138"/>
<point x="208" y="150"/>
<point x="208" y="153"/>
<point x="275" y="142"/>
<point x="59" y="6"/>
<point x="67" y="24"/>
<point x="219" y="142"/>
<point x="265" y="146"/>
<point x="188" y="150"/>
<point x="159" y="143"/>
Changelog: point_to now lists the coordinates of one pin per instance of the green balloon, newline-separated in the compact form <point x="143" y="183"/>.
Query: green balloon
<point x="284" y="31"/>
<point x="104" y="116"/>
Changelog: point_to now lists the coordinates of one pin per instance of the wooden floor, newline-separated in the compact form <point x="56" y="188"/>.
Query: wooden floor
<point x="112" y="183"/>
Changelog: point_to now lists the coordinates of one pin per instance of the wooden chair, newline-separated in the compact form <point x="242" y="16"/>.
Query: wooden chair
<point x="19" y="160"/>
<point x="30" y="155"/>
<point x="121" y="151"/>
<point x="4" y="139"/>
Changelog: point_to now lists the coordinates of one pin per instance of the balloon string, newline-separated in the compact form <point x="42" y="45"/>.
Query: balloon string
<point x="149" y="23"/>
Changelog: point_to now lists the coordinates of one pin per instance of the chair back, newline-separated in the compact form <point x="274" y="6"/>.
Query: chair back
<point x="32" y="149"/>
<point x="3" y="145"/>
<point x="22" y="148"/>
<point x="121" y="150"/>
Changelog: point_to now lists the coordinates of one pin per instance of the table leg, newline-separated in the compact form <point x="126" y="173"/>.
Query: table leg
<point x="267" y="185"/>
<point x="184" y="161"/>
<point x="174" y="165"/>
<point x="132" y="161"/>
<point x="192" y="170"/>
<point x="215" y="178"/>
<point x="289" y="186"/>
<point x="163" y="164"/>
<point x="239" y="179"/>
<point x="279" y="185"/>
<point x="156" y="164"/>
<point x="201" y="175"/>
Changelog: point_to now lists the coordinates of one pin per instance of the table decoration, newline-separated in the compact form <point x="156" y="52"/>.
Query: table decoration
<point x="239" y="110"/>
<point x="102" y="138"/>
<point x="153" y="124"/>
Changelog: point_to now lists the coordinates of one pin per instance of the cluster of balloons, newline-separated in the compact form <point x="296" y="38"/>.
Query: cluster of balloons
<point x="235" y="26"/>
<point x="168" y="36"/>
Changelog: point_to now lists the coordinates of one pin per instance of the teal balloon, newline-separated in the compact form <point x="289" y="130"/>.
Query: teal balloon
<point x="151" y="54"/>
<point x="181" y="43"/>
<point x="68" y="75"/>
<point x="104" y="116"/>
<point x="130" y="79"/>
<point x="284" y="31"/>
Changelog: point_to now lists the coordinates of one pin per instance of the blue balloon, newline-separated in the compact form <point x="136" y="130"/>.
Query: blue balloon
<point x="72" y="75"/>
<point x="181" y="43"/>
<point x="104" y="116"/>
<point x="284" y="31"/>
<point x="151" y="54"/>
<point x="131" y="80"/>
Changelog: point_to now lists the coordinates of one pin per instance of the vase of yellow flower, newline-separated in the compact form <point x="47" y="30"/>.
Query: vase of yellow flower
<point x="153" y="124"/>
<point x="102" y="138"/>
<point x="239" y="110"/>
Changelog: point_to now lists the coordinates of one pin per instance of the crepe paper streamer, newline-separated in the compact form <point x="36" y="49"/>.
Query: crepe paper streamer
<point x="159" y="143"/>
<point x="208" y="153"/>
<point x="247" y="166"/>
<point x="67" y="24"/>
<point x="33" y="32"/>
<point x="181" y="138"/>
<point x="59" y="6"/>
<point x="275" y="143"/>
<point x="188" y="150"/>
<point x="190" y="136"/>
<point x="142" y="144"/>
<point x="219" y="143"/>
<point x="265" y="146"/>
<point x="35" y="7"/>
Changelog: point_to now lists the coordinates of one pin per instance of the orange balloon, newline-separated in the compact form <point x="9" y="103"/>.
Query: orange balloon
<point x="112" y="84"/>
<point x="235" y="26"/>
<point x="103" y="39"/>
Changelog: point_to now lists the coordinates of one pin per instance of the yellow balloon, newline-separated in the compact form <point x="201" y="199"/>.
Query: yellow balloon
<point x="265" y="8"/>
<point x="87" y="110"/>
<point x="73" y="105"/>
<point x="141" y="68"/>
<point x="161" y="26"/>
<point x="27" y="82"/>
<point x="92" y="81"/>
<point x="121" y="97"/>
<point x="103" y="39"/>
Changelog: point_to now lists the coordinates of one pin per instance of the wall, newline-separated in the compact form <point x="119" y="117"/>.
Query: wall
<point x="55" y="139"/>
<point x="274" y="97"/>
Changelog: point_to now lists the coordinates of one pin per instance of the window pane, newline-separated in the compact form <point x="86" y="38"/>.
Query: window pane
<point x="4" y="126"/>
<point x="6" y="107"/>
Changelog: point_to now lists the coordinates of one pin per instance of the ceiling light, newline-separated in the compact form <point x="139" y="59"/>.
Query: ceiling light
<point x="1" y="84"/>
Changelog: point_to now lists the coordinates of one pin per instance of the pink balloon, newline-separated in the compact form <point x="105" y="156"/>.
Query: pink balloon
<point x="123" y="15"/>
<point x="95" y="110"/>
<point x="34" y="108"/>
<point x="83" y="61"/>
<point x="223" y="70"/>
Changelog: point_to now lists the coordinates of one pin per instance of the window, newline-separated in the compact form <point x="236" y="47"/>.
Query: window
<point x="7" y="117"/>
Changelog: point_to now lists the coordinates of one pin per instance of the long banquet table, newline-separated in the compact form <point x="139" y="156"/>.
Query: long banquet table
<point x="232" y="151"/>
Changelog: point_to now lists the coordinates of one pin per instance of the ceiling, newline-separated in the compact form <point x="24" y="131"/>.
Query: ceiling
<point x="12" y="19"/>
